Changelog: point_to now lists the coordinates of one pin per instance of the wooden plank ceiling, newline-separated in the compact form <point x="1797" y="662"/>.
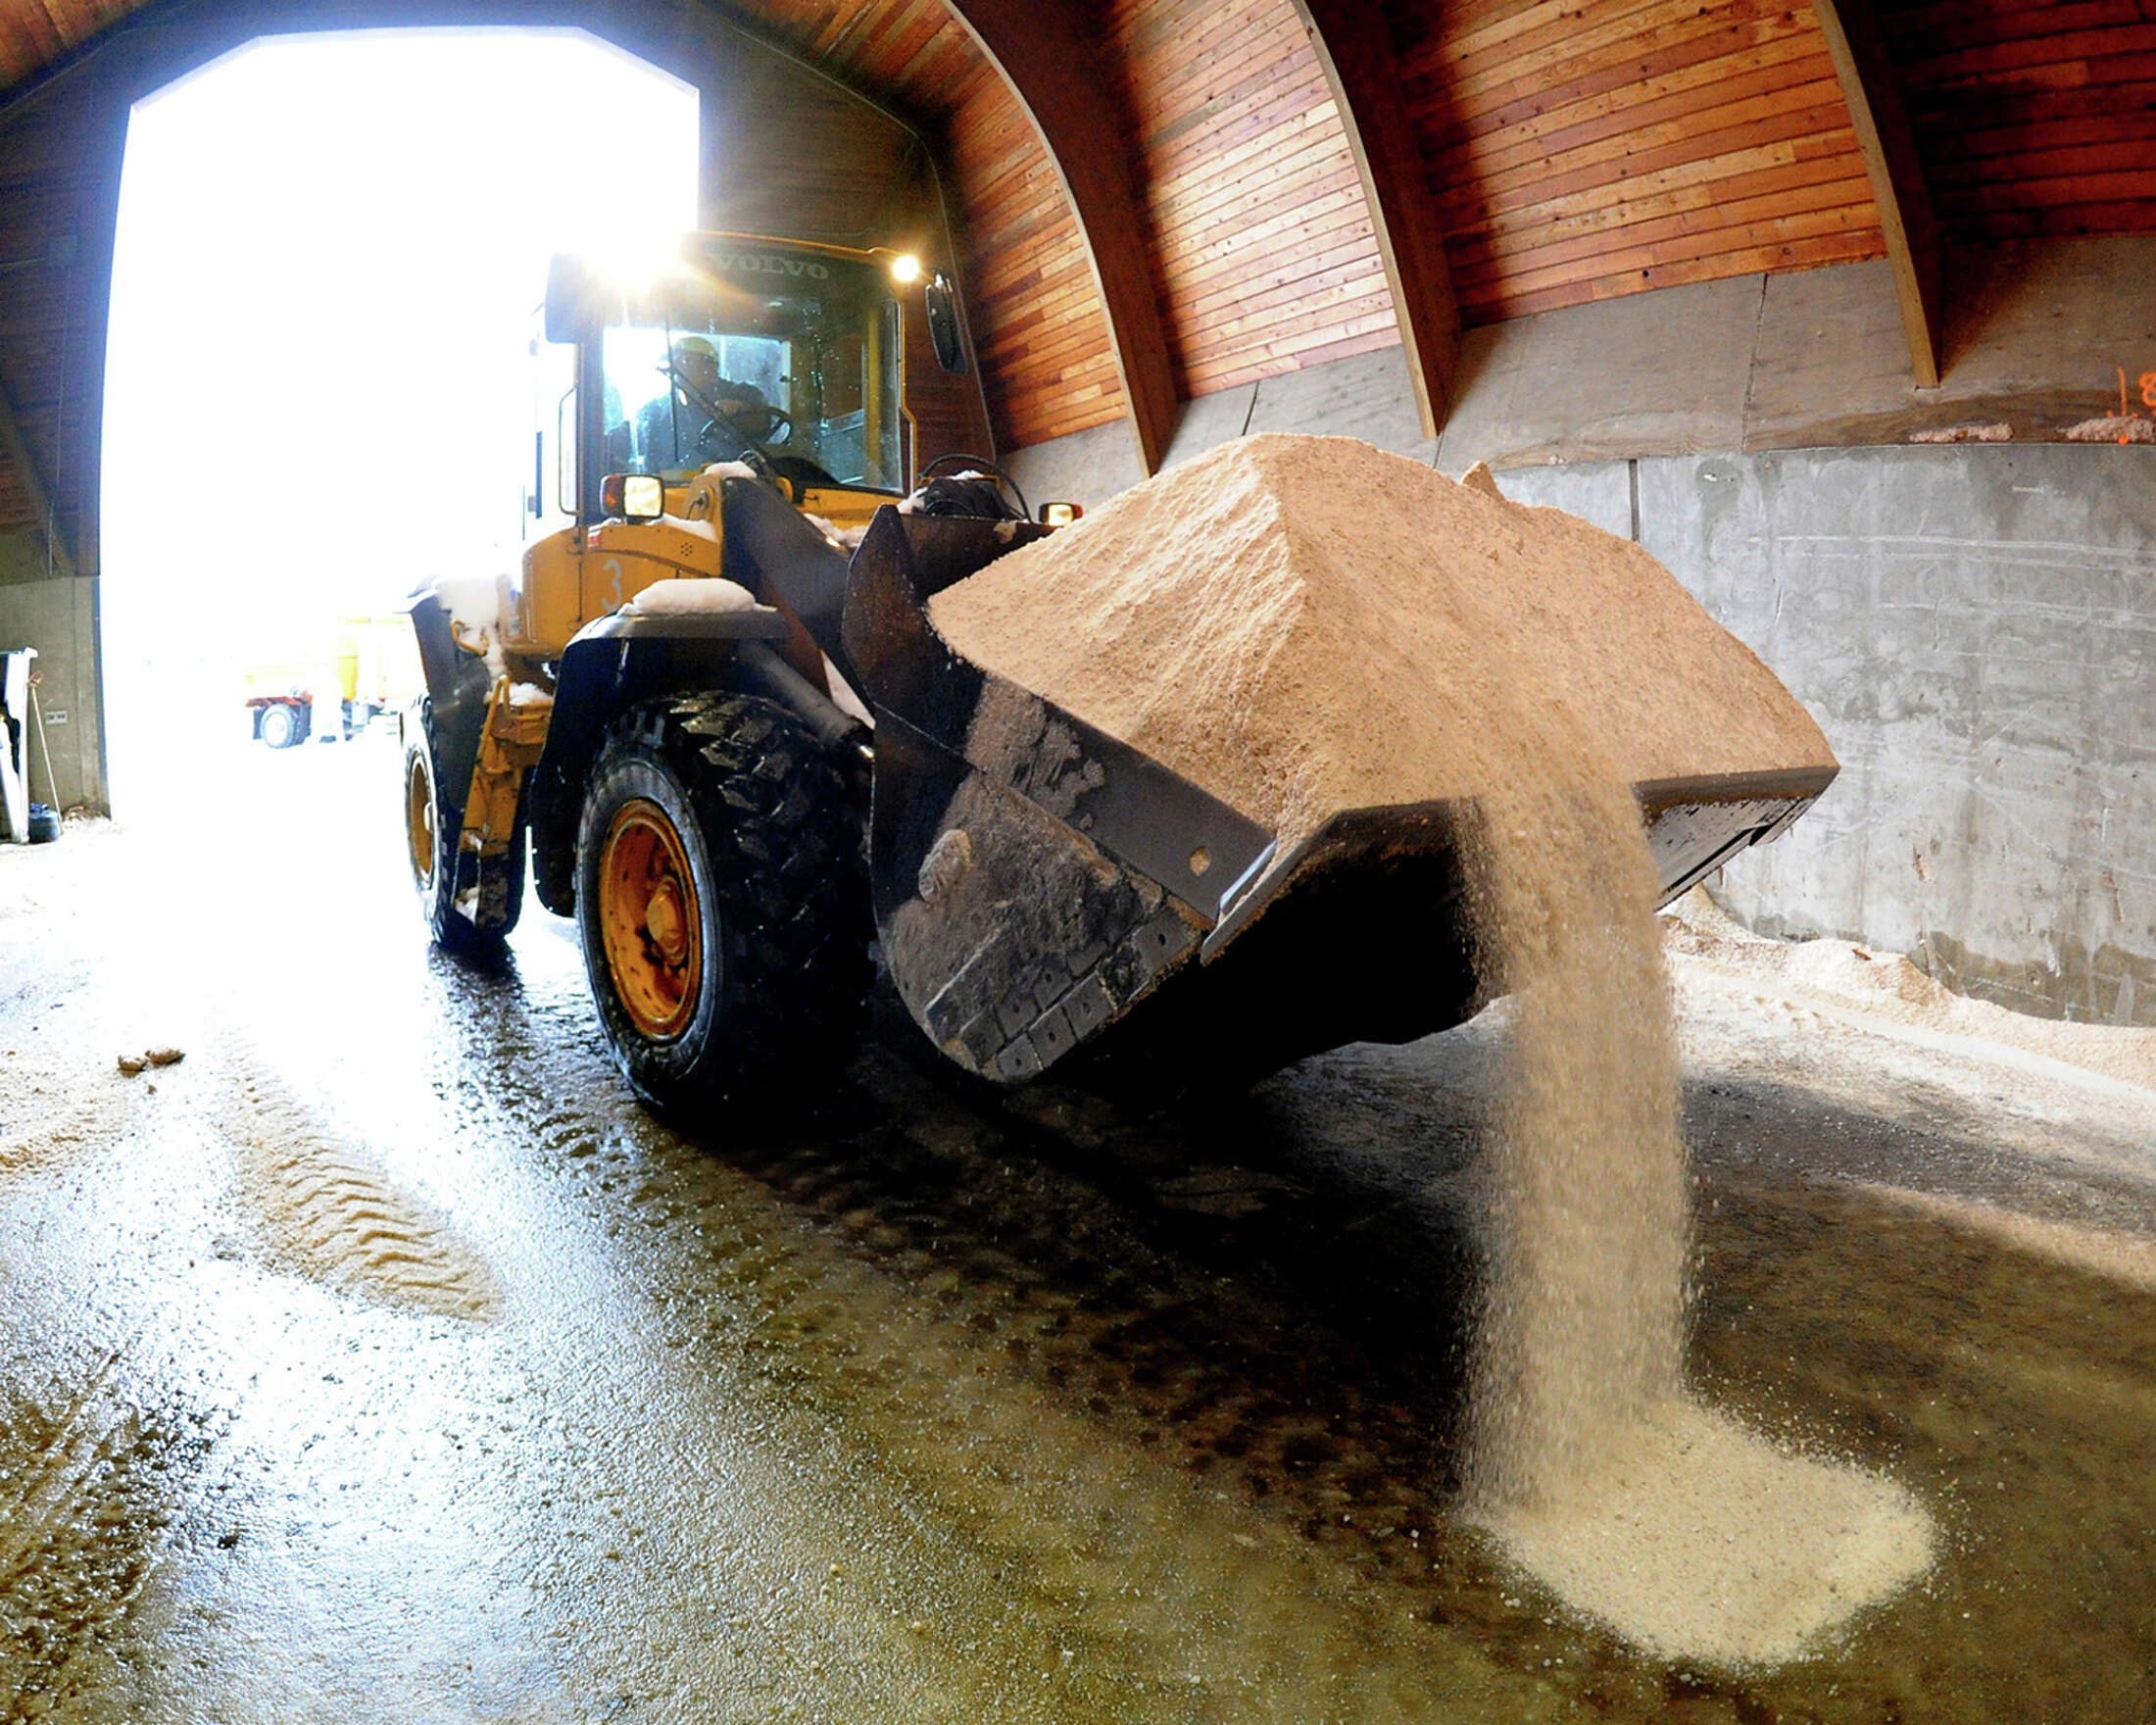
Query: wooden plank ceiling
<point x="1575" y="150"/>
<point x="1042" y="343"/>
<point x="1262" y="250"/>
<point x="33" y="34"/>
<point x="2032" y="119"/>
<point x="45" y="189"/>
<point x="1585" y="151"/>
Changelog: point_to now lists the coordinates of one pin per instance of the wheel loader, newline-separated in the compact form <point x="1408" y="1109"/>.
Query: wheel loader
<point x="711" y="713"/>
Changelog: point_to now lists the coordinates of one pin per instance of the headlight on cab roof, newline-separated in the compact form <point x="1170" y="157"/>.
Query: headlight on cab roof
<point x="633" y="497"/>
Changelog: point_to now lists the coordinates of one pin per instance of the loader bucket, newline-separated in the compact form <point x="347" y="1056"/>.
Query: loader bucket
<point x="1041" y="888"/>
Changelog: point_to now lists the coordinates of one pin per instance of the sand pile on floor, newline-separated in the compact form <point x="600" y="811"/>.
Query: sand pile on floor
<point x="1302" y="624"/>
<point x="1308" y="624"/>
<point x="1888" y="989"/>
<point x="1701" y="1542"/>
<point x="2112" y="428"/>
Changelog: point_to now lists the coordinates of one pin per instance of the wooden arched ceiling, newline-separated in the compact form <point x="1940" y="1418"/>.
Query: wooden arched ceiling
<point x="1511" y="156"/>
<point x="1047" y="361"/>
<point x="34" y="34"/>
<point x="1588" y="151"/>
<point x="1260" y="255"/>
<point x="2030" y="120"/>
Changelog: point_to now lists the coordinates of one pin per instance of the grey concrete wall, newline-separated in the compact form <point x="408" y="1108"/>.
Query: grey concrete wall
<point x="2033" y="339"/>
<point x="58" y="618"/>
<point x="1368" y="396"/>
<point x="1974" y="629"/>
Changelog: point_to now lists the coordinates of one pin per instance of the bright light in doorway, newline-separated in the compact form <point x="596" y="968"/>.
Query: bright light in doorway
<point x="329" y="253"/>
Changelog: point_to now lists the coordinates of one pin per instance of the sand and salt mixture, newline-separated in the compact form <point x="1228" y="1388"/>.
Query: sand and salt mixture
<point x="1308" y="624"/>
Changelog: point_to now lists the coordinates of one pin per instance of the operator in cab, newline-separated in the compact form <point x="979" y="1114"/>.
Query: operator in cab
<point x="705" y="416"/>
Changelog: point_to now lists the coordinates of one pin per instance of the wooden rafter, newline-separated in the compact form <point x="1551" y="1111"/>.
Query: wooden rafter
<point x="1889" y="151"/>
<point x="1356" y="51"/>
<point x="1044" y="51"/>
<point x="26" y="476"/>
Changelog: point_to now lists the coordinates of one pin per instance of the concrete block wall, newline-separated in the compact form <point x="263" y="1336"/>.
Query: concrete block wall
<point x="57" y="616"/>
<point x="1368" y="396"/>
<point x="1974" y="629"/>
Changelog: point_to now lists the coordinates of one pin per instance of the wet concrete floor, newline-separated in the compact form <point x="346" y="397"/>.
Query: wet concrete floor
<point x="382" y="1360"/>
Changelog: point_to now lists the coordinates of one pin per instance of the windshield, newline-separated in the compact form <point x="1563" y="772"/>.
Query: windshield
<point x="757" y="350"/>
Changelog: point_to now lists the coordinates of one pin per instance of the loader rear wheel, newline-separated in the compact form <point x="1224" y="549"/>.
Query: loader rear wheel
<point x="722" y="901"/>
<point x="434" y="823"/>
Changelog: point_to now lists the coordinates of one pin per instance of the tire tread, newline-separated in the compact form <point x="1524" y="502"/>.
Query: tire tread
<point x="786" y="845"/>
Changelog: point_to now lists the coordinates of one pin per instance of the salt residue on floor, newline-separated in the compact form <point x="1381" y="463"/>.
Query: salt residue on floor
<point x="58" y="1105"/>
<point x="1697" y="1539"/>
<point x="323" y="1209"/>
<point x="34" y="879"/>
<point x="1892" y="993"/>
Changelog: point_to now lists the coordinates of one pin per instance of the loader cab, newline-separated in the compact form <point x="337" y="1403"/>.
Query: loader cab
<point x="785" y="356"/>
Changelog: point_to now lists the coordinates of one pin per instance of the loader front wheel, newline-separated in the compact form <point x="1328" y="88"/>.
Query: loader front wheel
<point x="722" y="901"/>
<point x="283" y="725"/>
<point x="492" y="887"/>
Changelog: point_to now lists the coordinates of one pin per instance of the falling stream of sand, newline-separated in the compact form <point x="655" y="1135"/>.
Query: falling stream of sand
<point x="1689" y="1534"/>
<point x="1582" y="1319"/>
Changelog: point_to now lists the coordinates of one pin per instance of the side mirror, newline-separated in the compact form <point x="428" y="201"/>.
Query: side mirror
<point x="942" y="301"/>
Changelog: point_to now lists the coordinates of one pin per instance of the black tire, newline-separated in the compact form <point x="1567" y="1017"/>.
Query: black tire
<point x="771" y="834"/>
<point x="440" y="873"/>
<point x="284" y="726"/>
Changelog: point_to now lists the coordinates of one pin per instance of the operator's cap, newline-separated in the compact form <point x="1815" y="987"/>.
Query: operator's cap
<point x="697" y="346"/>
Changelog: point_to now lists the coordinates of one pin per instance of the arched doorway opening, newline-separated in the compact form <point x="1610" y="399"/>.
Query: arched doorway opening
<point x="318" y="387"/>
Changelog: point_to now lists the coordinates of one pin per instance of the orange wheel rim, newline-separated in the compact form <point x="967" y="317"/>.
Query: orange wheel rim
<point x="420" y="821"/>
<point x="648" y="919"/>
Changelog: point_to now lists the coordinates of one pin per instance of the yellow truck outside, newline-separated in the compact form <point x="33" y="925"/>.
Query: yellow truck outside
<point x="368" y="665"/>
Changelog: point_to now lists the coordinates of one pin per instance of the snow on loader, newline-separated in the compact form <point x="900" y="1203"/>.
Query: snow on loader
<point x="738" y="755"/>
